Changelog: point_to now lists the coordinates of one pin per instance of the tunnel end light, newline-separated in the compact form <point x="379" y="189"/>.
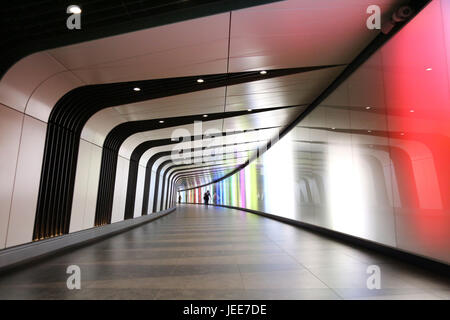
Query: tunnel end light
<point x="161" y="121"/>
<point x="200" y="80"/>
<point x="263" y="72"/>
<point x="136" y="89"/>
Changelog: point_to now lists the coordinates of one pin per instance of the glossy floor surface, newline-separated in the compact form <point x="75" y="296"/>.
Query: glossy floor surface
<point x="202" y="252"/>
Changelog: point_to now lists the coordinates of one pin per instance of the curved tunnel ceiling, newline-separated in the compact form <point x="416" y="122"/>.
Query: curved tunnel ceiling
<point x="36" y="25"/>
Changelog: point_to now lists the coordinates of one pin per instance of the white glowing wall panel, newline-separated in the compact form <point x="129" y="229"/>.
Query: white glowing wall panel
<point x="80" y="189"/>
<point x="10" y="130"/>
<point x="44" y="97"/>
<point x="152" y="191"/>
<point x="120" y="190"/>
<point x="158" y="199"/>
<point x="139" y="192"/>
<point x="94" y="176"/>
<point x="19" y="82"/>
<point x="26" y="186"/>
<point x="86" y="186"/>
<point x="164" y="191"/>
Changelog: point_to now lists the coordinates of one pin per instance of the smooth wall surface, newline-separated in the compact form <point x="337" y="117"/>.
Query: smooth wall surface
<point x="373" y="159"/>
<point x="86" y="186"/>
<point x="26" y="184"/>
<point x="10" y="130"/>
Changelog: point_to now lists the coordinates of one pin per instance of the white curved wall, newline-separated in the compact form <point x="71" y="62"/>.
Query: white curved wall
<point x="120" y="190"/>
<point x="10" y="131"/>
<point x="86" y="187"/>
<point x="139" y="192"/>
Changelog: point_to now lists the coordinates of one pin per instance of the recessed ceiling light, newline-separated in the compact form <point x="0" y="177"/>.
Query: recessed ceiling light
<point x="75" y="9"/>
<point x="263" y="72"/>
<point x="200" y="80"/>
<point x="429" y="69"/>
<point x="161" y="121"/>
<point x="205" y="116"/>
<point x="368" y="108"/>
<point x="137" y="89"/>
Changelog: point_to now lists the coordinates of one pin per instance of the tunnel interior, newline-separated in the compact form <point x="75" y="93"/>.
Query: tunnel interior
<point x="289" y="116"/>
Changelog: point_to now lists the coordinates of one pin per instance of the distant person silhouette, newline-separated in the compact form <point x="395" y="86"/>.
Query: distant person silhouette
<point x="206" y="197"/>
<point x="179" y="198"/>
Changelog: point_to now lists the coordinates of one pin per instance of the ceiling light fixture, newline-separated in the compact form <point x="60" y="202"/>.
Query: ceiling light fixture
<point x="75" y="9"/>
<point x="200" y="80"/>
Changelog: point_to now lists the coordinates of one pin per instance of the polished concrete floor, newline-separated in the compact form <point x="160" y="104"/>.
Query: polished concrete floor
<point x="217" y="253"/>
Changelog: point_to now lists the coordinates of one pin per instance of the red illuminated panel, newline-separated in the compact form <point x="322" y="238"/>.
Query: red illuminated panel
<point x="418" y="105"/>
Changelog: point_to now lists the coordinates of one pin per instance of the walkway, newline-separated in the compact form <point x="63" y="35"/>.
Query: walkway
<point x="217" y="253"/>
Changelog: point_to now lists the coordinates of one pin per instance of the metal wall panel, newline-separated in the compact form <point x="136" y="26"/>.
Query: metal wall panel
<point x="26" y="185"/>
<point x="10" y="130"/>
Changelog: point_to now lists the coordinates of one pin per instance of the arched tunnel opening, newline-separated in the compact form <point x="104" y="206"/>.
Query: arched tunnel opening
<point x="237" y="150"/>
